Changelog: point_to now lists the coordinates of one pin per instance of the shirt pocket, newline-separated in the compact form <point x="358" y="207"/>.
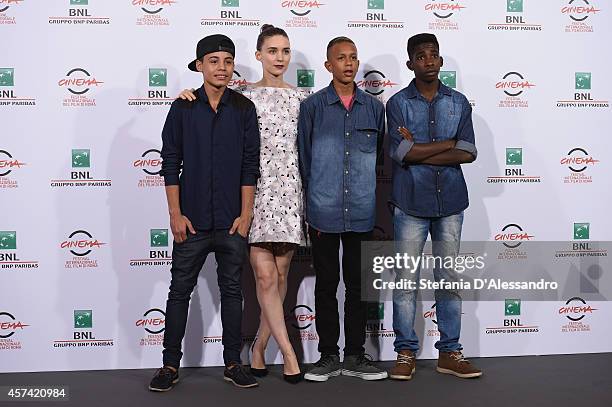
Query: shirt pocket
<point x="366" y="136"/>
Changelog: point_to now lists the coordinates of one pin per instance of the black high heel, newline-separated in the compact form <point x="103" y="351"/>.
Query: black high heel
<point x="293" y="378"/>
<point x="259" y="372"/>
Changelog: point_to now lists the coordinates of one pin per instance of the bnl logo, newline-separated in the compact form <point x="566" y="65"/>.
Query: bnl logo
<point x="158" y="77"/>
<point x="230" y="13"/>
<point x="83" y="319"/>
<point x="448" y="78"/>
<point x="79" y="12"/>
<point x="582" y="232"/>
<point x="514" y="156"/>
<point x="375" y="5"/>
<point x="305" y="78"/>
<point x="81" y="158"/>
<point x="582" y="81"/>
<point x="8" y="241"/>
<point x="376" y="316"/>
<point x="158" y="239"/>
<point x="7" y="79"/>
<point x="512" y="307"/>
<point x="514" y="6"/>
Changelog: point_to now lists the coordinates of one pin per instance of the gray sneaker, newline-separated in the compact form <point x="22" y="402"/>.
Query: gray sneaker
<point x="361" y="366"/>
<point x="328" y="366"/>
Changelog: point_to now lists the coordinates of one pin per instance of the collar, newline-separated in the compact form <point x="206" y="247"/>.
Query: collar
<point x="201" y="94"/>
<point x="332" y="96"/>
<point x="413" y="92"/>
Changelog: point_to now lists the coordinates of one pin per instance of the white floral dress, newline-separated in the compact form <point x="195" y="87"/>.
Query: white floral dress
<point x="279" y="209"/>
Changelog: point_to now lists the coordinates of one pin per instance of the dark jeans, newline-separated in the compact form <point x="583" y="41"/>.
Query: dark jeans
<point x="188" y="258"/>
<point x="325" y="253"/>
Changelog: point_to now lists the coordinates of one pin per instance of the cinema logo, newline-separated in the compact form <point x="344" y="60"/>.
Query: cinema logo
<point x="374" y="17"/>
<point x="78" y="83"/>
<point x="149" y="166"/>
<point x="9" y="255"/>
<point x="83" y="333"/>
<point x="10" y="329"/>
<point x="514" y="172"/>
<point x="83" y="247"/>
<point x="301" y="13"/>
<point x="81" y="174"/>
<point x="431" y="323"/>
<point x="576" y="311"/>
<point x="514" y="19"/>
<point x="79" y="13"/>
<point x="9" y="164"/>
<point x="582" y="97"/>
<point x="152" y="12"/>
<point x="511" y="237"/>
<point x="581" y="246"/>
<point x="449" y="78"/>
<point x="153" y="322"/>
<point x="6" y="10"/>
<point x="514" y="85"/>
<point x="158" y="254"/>
<point x="301" y="318"/>
<point x="578" y="161"/>
<point x="229" y="15"/>
<point x="8" y="96"/>
<point x="237" y="81"/>
<point x="375" y="83"/>
<point x="580" y="14"/>
<point x="444" y="14"/>
<point x="512" y="323"/>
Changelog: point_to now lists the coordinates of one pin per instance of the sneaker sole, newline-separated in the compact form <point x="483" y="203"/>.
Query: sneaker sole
<point x="320" y="377"/>
<point x="401" y="376"/>
<point x="243" y="386"/>
<point x="162" y="390"/>
<point x="461" y="375"/>
<point x="365" y="376"/>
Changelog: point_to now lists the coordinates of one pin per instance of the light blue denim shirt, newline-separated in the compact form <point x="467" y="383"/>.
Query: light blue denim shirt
<point x="420" y="189"/>
<point x="338" y="150"/>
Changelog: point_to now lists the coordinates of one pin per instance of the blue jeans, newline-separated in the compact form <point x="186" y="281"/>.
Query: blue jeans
<point x="411" y="233"/>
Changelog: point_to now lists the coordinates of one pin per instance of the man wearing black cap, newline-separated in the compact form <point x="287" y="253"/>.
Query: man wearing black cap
<point x="210" y="166"/>
<point x="431" y="135"/>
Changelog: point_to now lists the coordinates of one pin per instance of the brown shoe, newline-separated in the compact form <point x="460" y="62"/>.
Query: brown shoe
<point x="456" y="364"/>
<point x="404" y="366"/>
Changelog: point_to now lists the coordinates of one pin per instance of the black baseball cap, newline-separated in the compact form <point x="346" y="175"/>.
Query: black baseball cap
<point x="210" y="44"/>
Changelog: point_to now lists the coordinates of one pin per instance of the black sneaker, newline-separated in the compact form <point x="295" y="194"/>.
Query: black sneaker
<point x="164" y="379"/>
<point x="239" y="376"/>
<point x="361" y="366"/>
<point x="328" y="366"/>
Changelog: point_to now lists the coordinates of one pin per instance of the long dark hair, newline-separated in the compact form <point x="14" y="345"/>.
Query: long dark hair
<point x="267" y="31"/>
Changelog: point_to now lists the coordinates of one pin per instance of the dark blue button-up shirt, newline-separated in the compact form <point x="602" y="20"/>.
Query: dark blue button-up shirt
<point x="211" y="155"/>
<point x="420" y="189"/>
<point x="338" y="150"/>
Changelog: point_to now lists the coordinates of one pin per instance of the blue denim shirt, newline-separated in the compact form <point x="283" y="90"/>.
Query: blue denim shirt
<point x="338" y="151"/>
<point x="420" y="189"/>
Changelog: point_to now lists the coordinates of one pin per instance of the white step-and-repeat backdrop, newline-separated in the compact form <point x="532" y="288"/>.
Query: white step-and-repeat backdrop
<point x="85" y="86"/>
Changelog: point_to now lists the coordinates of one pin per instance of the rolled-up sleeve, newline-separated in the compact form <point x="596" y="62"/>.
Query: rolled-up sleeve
<point x="172" y="146"/>
<point x="398" y="145"/>
<point x="250" y="161"/>
<point x="465" y="131"/>
<point x="305" y="142"/>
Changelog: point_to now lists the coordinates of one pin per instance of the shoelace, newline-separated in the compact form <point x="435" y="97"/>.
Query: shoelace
<point x="324" y="361"/>
<point x="164" y="371"/>
<point x="458" y="356"/>
<point x="365" y="359"/>
<point x="401" y="358"/>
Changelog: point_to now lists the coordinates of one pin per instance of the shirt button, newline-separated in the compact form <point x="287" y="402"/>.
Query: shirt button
<point x="347" y="153"/>
<point x="346" y="191"/>
<point x="347" y="115"/>
<point x="432" y="122"/>
<point x="347" y="133"/>
<point x="346" y="210"/>
<point x="346" y="172"/>
<point x="439" y="190"/>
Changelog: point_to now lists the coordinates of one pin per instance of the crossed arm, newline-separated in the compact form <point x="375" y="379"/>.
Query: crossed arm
<point x="435" y="153"/>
